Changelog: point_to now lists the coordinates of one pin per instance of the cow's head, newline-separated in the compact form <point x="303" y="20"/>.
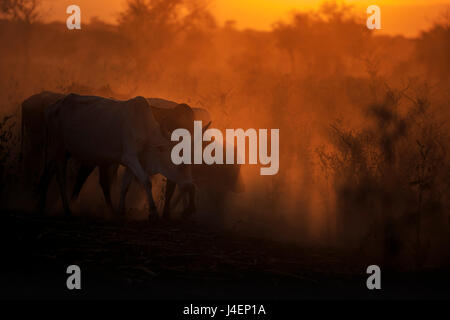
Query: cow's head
<point x="180" y="117"/>
<point x="158" y="160"/>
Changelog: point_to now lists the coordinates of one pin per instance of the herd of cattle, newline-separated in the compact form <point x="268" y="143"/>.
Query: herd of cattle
<point x="104" y="133"/>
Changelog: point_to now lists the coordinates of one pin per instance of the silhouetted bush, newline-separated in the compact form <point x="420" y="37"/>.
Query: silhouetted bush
<point x="391" y="178"/>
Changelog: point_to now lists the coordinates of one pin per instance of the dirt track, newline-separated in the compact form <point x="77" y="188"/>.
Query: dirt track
<point x="182" y="260"/>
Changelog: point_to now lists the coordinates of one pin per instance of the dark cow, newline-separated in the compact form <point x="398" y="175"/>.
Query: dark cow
<point x="170" y="115"/>
<point x="217" y="180"/>
<point x="105" y="132"/>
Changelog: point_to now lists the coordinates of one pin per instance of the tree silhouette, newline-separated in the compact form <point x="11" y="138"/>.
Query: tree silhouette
<point x="19" y="10"/>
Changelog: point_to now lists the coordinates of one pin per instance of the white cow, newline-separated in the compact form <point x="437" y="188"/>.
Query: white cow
<point x="104" y="132"/>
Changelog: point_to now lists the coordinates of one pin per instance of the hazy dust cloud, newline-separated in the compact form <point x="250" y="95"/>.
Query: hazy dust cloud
<point x="363" y="119"/>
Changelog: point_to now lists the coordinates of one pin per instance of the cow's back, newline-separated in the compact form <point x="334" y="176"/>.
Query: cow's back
<point x="162" y="103"/>
<point x="99" y="131"/>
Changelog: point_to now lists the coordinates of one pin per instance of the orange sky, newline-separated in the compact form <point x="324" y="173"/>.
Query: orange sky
<point x="405" y="17"/>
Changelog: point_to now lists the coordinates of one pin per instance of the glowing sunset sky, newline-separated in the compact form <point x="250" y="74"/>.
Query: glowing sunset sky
<point x="397" y="16"/>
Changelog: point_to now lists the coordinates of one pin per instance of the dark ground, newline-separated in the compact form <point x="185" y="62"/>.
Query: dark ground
<point x="184" y="260"/>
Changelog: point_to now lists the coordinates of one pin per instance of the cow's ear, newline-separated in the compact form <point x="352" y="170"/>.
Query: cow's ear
<point x="184" y="109"/>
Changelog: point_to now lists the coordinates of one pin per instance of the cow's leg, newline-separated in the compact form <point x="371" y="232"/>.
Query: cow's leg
<point x="62" y="177"/>
<point x="44" y="183"/>
<point x="132" y="162"/>
<point x="152" y="211"/>
<point x="83" y="173"/>
<point x="190" y="209"/>
<point x="170" y="189"/>
<point x="112" y="173"/>
<point x="105" y="183"/>
<point x="126" y="181"/>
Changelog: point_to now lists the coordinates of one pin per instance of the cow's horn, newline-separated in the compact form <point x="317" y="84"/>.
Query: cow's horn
<point x="207" y="126"/>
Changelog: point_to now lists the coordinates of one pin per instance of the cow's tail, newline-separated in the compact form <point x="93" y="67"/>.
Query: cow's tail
<point x="22" y="136"/>
<point x="44" y="165"/>
<point x="46" y="137"/>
